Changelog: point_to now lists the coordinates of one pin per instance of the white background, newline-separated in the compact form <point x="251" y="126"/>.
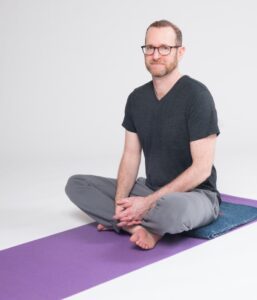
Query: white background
<point x="66" y="69"/>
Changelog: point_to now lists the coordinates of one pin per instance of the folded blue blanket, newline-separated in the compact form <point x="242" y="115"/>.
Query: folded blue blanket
<point x="231" y="216"/>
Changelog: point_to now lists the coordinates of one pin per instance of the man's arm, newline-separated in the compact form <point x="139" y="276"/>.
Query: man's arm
<point x="202" y="152"/>
<point x="129" y="165"/>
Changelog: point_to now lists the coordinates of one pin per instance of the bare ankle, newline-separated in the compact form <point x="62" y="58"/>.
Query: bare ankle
<point x="131" y="229"/>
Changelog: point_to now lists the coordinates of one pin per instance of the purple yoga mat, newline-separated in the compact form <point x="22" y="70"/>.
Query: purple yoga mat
<point x="69" y="262"/>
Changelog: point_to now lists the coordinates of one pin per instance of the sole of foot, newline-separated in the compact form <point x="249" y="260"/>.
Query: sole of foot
<point x="144" y="239"/>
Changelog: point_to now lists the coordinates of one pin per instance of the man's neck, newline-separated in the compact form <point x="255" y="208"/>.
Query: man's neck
<point x="163" y="84"/>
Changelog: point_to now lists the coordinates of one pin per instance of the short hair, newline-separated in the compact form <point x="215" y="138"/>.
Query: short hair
<point x="165" y="23"/>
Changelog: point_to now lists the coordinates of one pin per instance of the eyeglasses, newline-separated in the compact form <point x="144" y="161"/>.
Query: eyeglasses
<point x="163" y="49"/>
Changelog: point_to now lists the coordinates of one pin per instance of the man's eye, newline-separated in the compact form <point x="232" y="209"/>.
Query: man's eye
<point x="165" y="48"/>
<point x="149" y="47"/>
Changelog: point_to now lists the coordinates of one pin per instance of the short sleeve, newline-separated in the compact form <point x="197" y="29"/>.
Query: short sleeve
<point x="128" y="122"/>
<point x="202" y="118"/>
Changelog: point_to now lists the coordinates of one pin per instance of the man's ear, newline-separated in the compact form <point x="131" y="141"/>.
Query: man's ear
<point x="181" y="52"/>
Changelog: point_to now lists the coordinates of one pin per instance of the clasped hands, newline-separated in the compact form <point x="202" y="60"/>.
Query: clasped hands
<point x="130" y="211"/>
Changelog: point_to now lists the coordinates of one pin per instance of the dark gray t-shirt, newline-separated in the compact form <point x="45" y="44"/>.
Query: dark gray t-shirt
<point x="166" y="127"/>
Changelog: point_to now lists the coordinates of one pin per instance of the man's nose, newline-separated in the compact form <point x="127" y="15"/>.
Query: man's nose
<point x="156" y="53"/>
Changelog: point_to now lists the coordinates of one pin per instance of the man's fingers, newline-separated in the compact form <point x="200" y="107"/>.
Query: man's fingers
<point x="126" y="219"/>
<point x="122" y="224"/>
<point x="125" y="223"/>
<point x="126" y="205"/>
<point x="121" y="215"/>
<point x="133" y="223"/>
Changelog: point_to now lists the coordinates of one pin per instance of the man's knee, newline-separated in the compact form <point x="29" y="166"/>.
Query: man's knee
<point x="74" y="183"/>
<point x="182" y="212"/>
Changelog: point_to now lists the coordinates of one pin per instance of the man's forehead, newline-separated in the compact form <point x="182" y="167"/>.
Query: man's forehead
<point x="160" y="35"/>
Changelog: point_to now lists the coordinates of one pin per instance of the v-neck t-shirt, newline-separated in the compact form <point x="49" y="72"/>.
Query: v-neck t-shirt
<point x="166" y="127"/>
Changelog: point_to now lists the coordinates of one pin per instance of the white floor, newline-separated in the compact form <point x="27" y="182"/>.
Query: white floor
<point x="34" y="205"/>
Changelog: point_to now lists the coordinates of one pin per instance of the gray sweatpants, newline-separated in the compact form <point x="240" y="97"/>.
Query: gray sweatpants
<point x="173" y="213"/>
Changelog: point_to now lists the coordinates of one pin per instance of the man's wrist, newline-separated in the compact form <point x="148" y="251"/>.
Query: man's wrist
<point x="151" y="199"/>
<point x="116" y="199"/>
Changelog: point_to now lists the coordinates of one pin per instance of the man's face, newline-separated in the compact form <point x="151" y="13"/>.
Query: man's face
<point x="157" y="64"/>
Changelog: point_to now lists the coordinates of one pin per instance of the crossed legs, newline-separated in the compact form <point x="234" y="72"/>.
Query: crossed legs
<point x="174" y="213"/>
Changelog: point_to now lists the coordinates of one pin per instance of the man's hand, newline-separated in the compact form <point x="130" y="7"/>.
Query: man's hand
<point x="118" y="209"/>
<point x="133" y="210"/>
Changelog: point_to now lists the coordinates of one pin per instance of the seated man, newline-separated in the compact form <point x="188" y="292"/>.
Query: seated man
<point x="173" y="120"/>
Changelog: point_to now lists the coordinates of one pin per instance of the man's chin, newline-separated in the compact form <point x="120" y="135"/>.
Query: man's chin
<point x="158" y="74"/>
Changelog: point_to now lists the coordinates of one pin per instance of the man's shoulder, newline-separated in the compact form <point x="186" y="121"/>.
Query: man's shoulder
<point x="142" y="89"/>
<point x="194" y="85"/>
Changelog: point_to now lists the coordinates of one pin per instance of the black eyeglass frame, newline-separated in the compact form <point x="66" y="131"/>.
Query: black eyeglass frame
<point x="158" y="48"/>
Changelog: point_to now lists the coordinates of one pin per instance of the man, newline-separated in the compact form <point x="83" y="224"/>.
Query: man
<point x="174" y="121"/>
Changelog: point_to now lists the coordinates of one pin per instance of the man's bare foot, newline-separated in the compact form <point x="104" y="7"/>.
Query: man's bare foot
<point x="144" y="238"/>
<point x="101" y="227"/>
